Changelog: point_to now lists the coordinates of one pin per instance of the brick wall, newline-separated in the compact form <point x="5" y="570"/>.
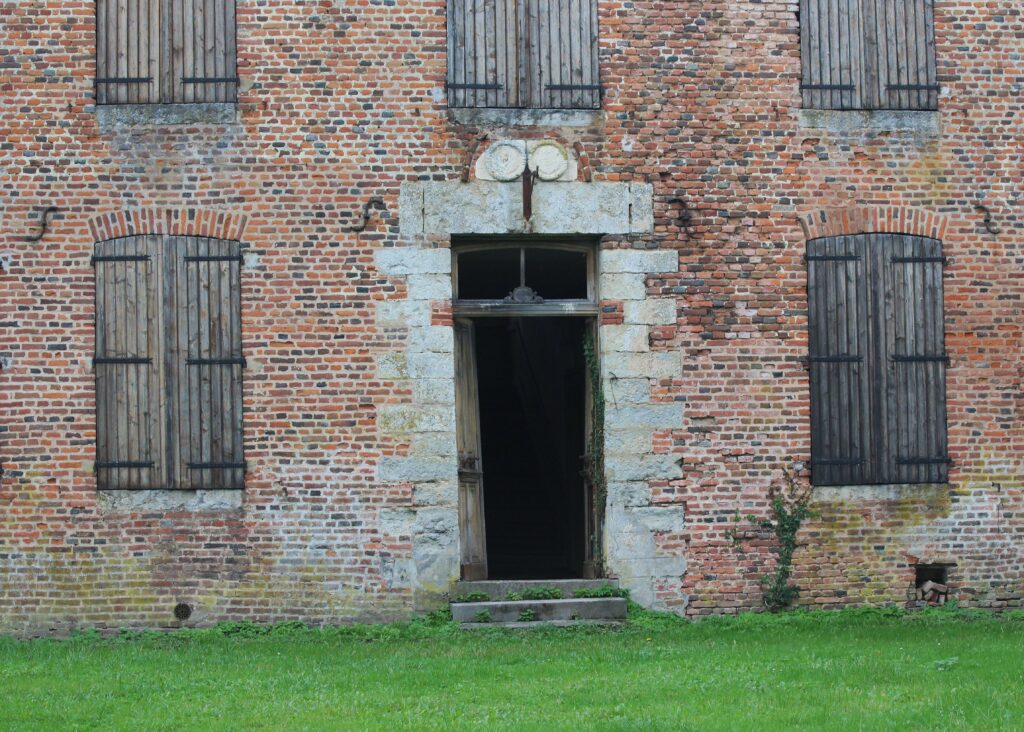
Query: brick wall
<point x="340" y="102"/>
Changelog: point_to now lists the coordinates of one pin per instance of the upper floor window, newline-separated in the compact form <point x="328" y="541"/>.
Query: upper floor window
<point x="165" y="51"/>
<point x="868" y="54"/>
<point x="168" y="363"/>
<point x="523" y="53"/>
<point x="877" y="360"/>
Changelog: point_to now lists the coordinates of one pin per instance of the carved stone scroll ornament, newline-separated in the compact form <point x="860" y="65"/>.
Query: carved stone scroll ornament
<point x="522" y="295"/>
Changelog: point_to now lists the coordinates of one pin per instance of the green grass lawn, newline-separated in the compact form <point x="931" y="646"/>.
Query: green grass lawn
<point x="849" y="670"/>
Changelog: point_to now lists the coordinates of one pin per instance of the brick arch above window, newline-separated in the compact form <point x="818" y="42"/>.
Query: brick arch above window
<point x="873" y="219"/>
<point x="188" y="221"/>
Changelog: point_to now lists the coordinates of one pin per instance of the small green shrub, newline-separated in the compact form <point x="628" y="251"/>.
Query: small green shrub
<point x="528" y="615"/>
<point x="790" y="506"/>
<point x="475" y="596"/>
<point x="513" y="596"/>
<point x="603" y="591"/>
<point x="542" y="593"/>
<point x="484" y="616"/>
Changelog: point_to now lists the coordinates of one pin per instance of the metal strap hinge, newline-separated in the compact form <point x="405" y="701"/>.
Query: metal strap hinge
<point x="832" y="257"/>
<point x="920" y="359"/>
<point x="834" y="359"/>
<point x="924" y="461"/>
<point x="829" y="87"/>
<point x="119" y="258"/>
<point x="215" y="258"/>
<point x="101" y="360"/>
<point x="217" y="466"/>
<point x="920" y="260"/>
<point x="838" y="461"/>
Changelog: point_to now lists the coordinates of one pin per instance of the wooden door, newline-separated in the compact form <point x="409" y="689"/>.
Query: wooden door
<point x="471" y="486"/>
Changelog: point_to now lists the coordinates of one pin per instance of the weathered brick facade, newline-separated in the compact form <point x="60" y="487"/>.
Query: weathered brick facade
<point x="340" y="519"/>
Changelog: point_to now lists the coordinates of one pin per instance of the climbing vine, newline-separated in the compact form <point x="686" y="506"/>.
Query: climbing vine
<point x="789" y="506"/>
<point x="593" y="460"/>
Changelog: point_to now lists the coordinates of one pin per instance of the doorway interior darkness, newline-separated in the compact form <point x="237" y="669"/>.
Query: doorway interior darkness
<point x="532" y="400"/>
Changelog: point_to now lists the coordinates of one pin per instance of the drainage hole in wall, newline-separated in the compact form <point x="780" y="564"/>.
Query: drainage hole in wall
<point x="182" y="611"/>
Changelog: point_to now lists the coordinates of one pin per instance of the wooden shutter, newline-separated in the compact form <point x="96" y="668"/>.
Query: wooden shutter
<point x="838" y="312"/>
<point x="832" y="54"/>
<point x="868" y="54"/>
<point x="877" y="360"/>
<point x="904" y="73"/>
<point x="917" y="361"/>
<point x="165" y="51"/>
<point x="523" y="53"/>
<point x="205" y="364"/>
<point x="126" y="365"/>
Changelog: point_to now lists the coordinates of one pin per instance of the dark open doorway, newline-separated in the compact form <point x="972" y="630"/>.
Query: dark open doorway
<point x="532" y="393"/>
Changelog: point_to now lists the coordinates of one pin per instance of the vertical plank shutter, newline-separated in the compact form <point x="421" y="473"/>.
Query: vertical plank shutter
<point x="906" y="54"/>
<point x="209" y="363"/>
<point x="868" y="54"/>
<point x="832" y="53"/>
<point x="127" y="377"/>
<point x="165" y="51"/>
<point x="917" y="361"/>
<point x="838" y="313"/>
<point x="168" y="363"/>
<point x="523" y="53"/>
<point x="877" y="360"/>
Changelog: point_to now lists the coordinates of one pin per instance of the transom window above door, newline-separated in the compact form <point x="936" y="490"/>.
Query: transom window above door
<point x="498" y="277"/>
<point x="534" y="54"/>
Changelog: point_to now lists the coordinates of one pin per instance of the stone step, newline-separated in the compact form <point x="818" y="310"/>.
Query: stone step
<point x="499" y="589"/>
<point x="512" y="611"/>
<point x="516" y="625"/>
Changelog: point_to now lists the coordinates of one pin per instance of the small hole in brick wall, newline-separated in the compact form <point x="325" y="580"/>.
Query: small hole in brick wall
<point x="931" y="583"/>
<point x="182" y="611"/>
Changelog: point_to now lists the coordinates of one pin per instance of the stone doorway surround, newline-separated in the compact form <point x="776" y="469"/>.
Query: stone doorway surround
<point x="430" y="213"/>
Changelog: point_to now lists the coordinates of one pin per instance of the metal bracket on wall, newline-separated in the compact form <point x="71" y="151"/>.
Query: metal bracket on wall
<point x="374" y="202"/>
<point x="44" y="222"/>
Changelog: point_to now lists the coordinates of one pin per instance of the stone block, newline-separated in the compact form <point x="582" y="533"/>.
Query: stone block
<point x="625" y="338"/>
<point x="433" y="444"/>
<point x="427" y="365"/>
<point x="429" y="287"/>
<point x="622" y="286"/>
<point x="652" y="416"/>
<point x="403" y="313"/>
<point x="392" y="365"/>
<point x="581" y="208"/>
<point x="403" y="261"/>
<point x="396" y="419"/>
<point x="481" y="207"/>
<point x="641" y="207"/>
<point x="655" y="311"/>
<point x="620" y="467"/>
<point x="629" y="441"/>
<point x="410" y="209"/>
<point x="416" y="469"/>
<point x="629" y="493"/>
<point x="627" y="391"/>
<point x="435" y="338"/>
<point x="654" y="365"/>
<point x="433" y="391"/>
<point x="647" y="261"/>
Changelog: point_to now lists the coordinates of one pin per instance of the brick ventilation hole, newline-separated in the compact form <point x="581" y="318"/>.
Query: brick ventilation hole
<point x="182" y="611"/>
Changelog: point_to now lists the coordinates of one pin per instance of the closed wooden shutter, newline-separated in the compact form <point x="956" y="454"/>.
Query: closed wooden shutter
<point x="838" y="313"/>
<point x="168" y="363"/>
<point x="868" y="54"/>
<point x="128" y="427"/>
<point x="918" y="360"/>
<point x="876" y="359"/>
<point x="206" y="366"/>
<point x="523" y="53"/>
<point x="165" y="51"/>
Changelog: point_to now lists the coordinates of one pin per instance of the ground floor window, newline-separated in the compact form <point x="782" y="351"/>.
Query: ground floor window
<point x="168" y="363"/>
<point x="877" y="360"/>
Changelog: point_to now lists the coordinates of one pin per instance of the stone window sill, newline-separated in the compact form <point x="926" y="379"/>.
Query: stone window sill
<point x="854" y="120"/>
<point x="120" y="501"/>
<point x="144" y="115"/>
<point x="887" y="492"/>
<point x="526" y="117"/>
